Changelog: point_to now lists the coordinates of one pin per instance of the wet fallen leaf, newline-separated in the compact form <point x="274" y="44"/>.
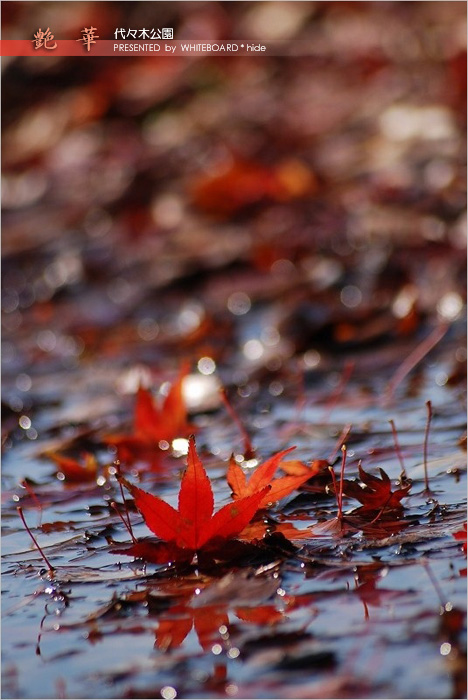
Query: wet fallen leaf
<point x="193" y="525"/>
<point x="294" y="467"/>
<point x="72" y="471"/>
<point x="263" y="476"/>
<point x="375" y="494"/>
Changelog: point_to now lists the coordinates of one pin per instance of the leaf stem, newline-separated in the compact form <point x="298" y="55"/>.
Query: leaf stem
<point x="419" y="352"/>
<point x="398" y="449"/>
<point x="126" y="524"/>
<point x="48" y="564"/>
<point x="426" y="443"/>
<point x="248" y="448"/>
<point x="341" y="440"/>
<point x="343" y="465"/>
<point x="348" y="369"/>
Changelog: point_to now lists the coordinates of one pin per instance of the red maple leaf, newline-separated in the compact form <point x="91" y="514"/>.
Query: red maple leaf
<point x="72" y="471"/>
<point x="374" y="493"/>
<point x="259" y="529"/>
<point x="193" y="525"/>
<point x="263" y="476"/>
<point x="461" y="535"/>
<point x="152" y="423"/>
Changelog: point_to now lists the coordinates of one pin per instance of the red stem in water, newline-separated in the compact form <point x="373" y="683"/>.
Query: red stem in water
<point x="48" y="564"/>
<point x="339" y="443"/>
<point x="343" y="464"/>
<point x="419" y="352"/>
<point x="344" y="379"/>
<point x="330" y="469"/>
<point x="397" y="448"/>
<point x="248" y="448"/>
<point x="339" y="491"/>
<point x="126" y="524"/>
<point x="28" y="488"/>
<point x="426" y="442"/>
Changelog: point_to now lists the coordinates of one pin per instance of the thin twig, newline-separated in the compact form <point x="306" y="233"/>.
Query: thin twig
<point x="344" y="451"/>
<point x="413" y="359"/>
<point x="129" y="529"/>
<point x="344" y="379"/>
<point x="127" y="524"/>
<point x="341" y="440"/>
<point x="28" y="488"/>
<point x="435" y="583"/>
<point x="426" y="443"/>
<point x="248" y="448"/>
<point x="398" y="449"/>
<point x="48" y="564"/>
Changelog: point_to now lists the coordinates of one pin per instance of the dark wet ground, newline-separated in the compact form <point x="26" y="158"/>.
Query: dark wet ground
<point x="292" y="229"/>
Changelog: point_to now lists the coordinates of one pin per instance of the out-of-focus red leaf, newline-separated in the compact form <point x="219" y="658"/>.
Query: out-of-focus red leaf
<point x="171" y="633"/>
<point x="193" y="525"/>
<point x="153" y="424"/>
<point x="75" y="472"/>
<point x="207" y="620"/>
<point x="259" y="529"/>
<point x="461" y="535"/>
<point x="262" y="615"/>
<point x="156" y="552"/>
<point x="294" y="467"/>
<point x="241" y="183"/>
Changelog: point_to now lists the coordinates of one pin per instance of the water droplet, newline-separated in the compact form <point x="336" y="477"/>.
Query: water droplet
<point x="239" y="303"/>
<point x="206" y="365"/>
<point x="25" y="422"/>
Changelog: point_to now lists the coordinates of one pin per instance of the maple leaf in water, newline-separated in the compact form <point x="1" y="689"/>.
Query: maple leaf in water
<point x="153" y="424"/>
<point x="70" y="470"/>
<point x="193" y="525"/>
<point x="263" y="476"/>
<point x="374" y="493"/>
